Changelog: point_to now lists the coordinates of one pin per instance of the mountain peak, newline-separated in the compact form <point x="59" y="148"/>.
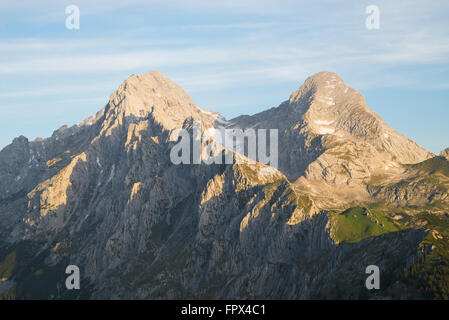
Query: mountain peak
<point x="445" y="153"/>
<point x="329" y="106"/>
<point x="326" y="108"/>
<point x="326" y="101"/>
<point x="152" y="93"/>
<point x="324" y="89"/>
<point x="152" y="79"/>
<point x="150" y="86"/>
<point x="21" y="140"/>
<point x="323" y="80"/>
<point x="323" y="76"/>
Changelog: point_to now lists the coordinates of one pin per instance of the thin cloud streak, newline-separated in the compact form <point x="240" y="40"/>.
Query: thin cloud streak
<point x="390" y="53"/>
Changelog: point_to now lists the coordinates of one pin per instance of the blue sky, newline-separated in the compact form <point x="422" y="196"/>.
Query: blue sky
<point x="235" y="57"/>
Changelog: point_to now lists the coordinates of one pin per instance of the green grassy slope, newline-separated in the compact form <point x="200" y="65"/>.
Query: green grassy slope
<point x="355" y="224"/>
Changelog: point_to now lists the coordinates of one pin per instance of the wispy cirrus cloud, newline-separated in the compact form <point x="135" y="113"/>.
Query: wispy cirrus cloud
<point x="281" y="58"/>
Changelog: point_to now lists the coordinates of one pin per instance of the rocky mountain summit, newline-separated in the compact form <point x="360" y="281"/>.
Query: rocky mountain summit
<point x="445" y="153"/>
<point x="104" y="195"/>
<point x="329" y="137"/>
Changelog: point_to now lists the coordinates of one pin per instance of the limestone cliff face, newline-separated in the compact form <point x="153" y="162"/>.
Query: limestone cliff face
<point x="105" y="196"/>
